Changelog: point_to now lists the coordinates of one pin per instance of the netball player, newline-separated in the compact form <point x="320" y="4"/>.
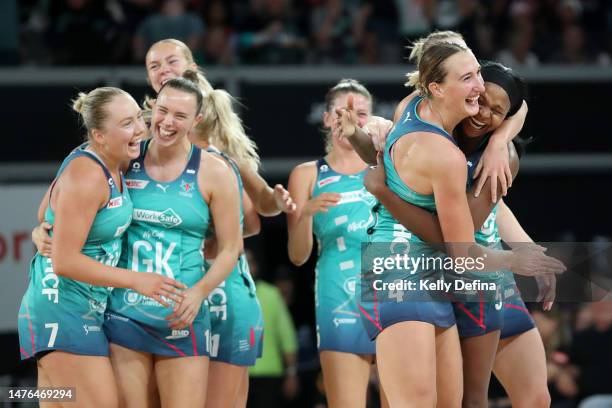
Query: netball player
<point x="236" y="317"/>
<point x="333" y="204"/>
<point x="88" y="205"/>
<point x="450" y="83"/>
<point x="178" y="190"/>
<point x="168" y="59"/>
<point x="479" y="327"/>
<point x="222" y="128"/>
<point x="494" y="164"/>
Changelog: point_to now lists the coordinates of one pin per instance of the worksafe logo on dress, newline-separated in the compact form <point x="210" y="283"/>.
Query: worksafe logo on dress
<point x="168" y="218"/>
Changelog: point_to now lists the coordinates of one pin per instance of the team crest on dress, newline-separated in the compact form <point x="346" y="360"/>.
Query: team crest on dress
<point x="187" y="188"/>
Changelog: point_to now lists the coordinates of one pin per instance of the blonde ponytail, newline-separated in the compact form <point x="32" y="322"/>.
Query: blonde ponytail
<point x="222" y="127"/>
<point x="419" y="46"/>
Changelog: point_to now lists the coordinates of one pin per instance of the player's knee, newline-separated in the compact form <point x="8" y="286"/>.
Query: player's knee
<point x="539" y="398"/>
<point x="475" y="392"/>
<point x="535" y="398"/>
<point x="108" y="399"/>
<point x="474" y="401"/>
<point x="421" y="395"/>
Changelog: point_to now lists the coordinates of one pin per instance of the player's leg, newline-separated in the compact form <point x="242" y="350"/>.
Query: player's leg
<point x="135" y="377"/>
<point x="384" y="403"/>
<point x="449" y="370"/>
<point x="520" y="366"/>
<point x="224" y="384"/>
<point x="478" y="355"/>
<point x="44" y="381"/>
<point x="243" y="392"/>
<point x="91" y="377"/>
<point x="406" y="356"/>
<point x="176" y="377"/>
<point x="346" y="377"/>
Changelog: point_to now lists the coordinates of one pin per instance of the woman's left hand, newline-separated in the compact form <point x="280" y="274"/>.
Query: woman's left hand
<point x="547" y="290"/>
<point x="283" y="199"/>
<point x="185" y="312"/>
<point x="494" y="164"/>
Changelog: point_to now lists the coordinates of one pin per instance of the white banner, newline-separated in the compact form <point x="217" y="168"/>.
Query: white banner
<point x="18" y="207"/>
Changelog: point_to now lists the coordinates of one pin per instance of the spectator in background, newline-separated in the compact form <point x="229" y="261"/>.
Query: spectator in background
<point x="172" y="21"/>
<point x="591" y="354"/>
<point x="270" y="34"/>
<point x="136" y="11"/>
<point x="573" y="47"/>
<point x="569" y="12"/>
<point x="518" y="53"/>
<point x="79" y="31"/>
<point x="545" y="28"/>
<point x="330" y="23"/>
<point x="217" y="45"/>
<point x="273" y="379"/>
<point x="519" y="37"/>
<point x="416" y="18"/>
<point x="375" y="31"/>
<point x="129" y="14"/>
<point x="472" y="24"/>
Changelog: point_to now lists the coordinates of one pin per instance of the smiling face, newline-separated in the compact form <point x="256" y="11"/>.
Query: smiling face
<point x="174" y="115"/>
<point x="462" y="84"/>
<point x="362" y="106"/>
<point x="122" y="130"/>
<point x="164" y="61"/>
<point x="494" y="105"/>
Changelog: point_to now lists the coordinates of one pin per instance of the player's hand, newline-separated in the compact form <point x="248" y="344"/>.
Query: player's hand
<point x="494" y="165"/>
<point x="158" y="287"/>
<point x="42" y="239"/>
<point x="320" y="203"/>
<point x="376" y="177"/>
<point x="185" y="312"/>
<point x="345" y="124"/>
<point x="530" y="260"/>
<point x="283" y="199"/>
<point x="547" y="288"/>
<point x="378" y="128"/>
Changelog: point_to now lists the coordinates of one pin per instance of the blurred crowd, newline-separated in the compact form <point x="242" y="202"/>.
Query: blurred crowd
<point x="117" y="32"/>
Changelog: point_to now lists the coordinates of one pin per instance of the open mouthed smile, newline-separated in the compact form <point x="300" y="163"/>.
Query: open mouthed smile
<point x="476" y="124"/>
<point x="166" y="134"/>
